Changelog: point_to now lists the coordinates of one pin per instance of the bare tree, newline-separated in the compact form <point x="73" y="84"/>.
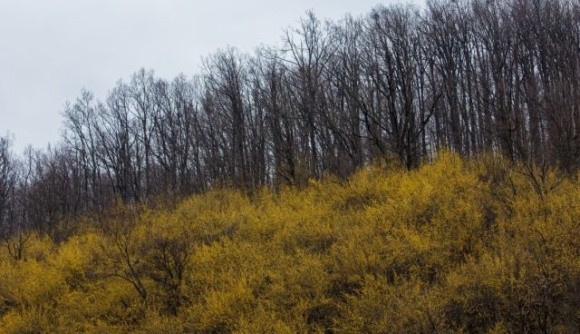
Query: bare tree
<point x="308" y="50"/>
<point x="225" y="82"/>
<point x="8" y="182"/>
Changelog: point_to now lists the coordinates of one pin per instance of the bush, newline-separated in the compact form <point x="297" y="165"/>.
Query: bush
<point x="454" y="246"/>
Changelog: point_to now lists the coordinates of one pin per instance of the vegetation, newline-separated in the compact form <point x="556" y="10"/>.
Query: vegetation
<point x="454" y="246"/>
<point x="405" y="171"/>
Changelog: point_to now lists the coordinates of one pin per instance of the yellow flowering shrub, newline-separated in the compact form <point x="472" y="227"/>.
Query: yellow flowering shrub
<point x="479" y="245"/>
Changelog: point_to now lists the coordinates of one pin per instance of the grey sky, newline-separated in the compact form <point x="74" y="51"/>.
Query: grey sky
<point x="51" y="49"/>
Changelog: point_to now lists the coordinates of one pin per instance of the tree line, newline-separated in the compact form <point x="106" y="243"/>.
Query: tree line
<point x="397" y="85"/>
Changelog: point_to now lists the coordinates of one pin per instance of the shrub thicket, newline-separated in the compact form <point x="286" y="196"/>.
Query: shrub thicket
<point x="454" y="246"/>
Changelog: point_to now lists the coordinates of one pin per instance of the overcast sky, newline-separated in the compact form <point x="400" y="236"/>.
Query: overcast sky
<point x="51" y="49"/>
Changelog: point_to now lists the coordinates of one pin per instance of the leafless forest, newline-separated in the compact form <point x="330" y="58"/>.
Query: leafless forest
<point x="396" y="86"/>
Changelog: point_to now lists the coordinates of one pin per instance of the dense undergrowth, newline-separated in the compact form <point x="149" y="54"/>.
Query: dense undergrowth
<point x="455" y="246"/>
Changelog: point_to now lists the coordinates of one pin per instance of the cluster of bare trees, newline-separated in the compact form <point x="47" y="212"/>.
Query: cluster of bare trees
<point x="472" y="76"/>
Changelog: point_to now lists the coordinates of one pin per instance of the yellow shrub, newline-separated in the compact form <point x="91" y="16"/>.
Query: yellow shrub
<point x="479" y="245"/>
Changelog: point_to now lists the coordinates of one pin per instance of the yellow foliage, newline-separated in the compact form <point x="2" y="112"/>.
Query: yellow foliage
<point x="479" y="245"/>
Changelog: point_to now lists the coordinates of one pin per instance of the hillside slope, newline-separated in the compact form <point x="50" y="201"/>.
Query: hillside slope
<point x="457" y="245"/>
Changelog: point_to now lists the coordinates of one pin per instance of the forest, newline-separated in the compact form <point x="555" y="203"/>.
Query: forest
<point x="410" y="170"/>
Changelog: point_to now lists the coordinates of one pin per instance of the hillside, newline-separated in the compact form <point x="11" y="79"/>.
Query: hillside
<point x="456" y="245"/>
